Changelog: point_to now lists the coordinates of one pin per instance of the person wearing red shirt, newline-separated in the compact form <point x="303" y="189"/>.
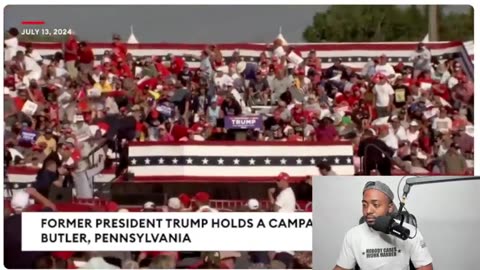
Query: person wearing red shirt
<point x="86" y="58"/>
<point x="9" y="81"/>
<point x="35" y="93"/>
<point x="441" y="90"/>
<point x="340" y="98"/>
<point x="297" y="113"/>
<point x="425" y="78"/>
<point x="149" y="84"/>
<point x="326" y="131"/>
<point x="313" y="61"/>
<point x="141" y="129"/>
<point x="161" y="68"/>
<point x="70" y="53"/>
<point x="291" y="136"/>
<point x="424" y="140"/>
<point x="177" y="65"/>
<point x="179" y="130"/>
<point x="63" y="259"/>
<point x="119" y="49"/>
<point x="350" y="98"/>
<point x="123" y="69"/>
<point x="20" y="99"/>
<point x="82" y="100"/>
<point x="53" y="112"/>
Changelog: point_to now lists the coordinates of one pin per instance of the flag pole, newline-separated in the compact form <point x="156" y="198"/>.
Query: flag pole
<point x="433" y="22"/>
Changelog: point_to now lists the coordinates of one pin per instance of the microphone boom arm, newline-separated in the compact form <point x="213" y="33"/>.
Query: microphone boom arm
<point x="432" y="180"/>
<point x="429" y="180"/>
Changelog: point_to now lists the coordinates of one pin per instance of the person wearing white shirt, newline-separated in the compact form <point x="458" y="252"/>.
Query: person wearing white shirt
<point x="442" y="123"/>
<point x="384" y="68"/>
<point x="34" y="54"/>
<point x="383" y="94"/>
<point x="237" y="79"/>
<point x="443" y="147"/>
<point x="280" y="84"/>
<point x="413" y="132"/>
<point x="206" y="208"/>
<point x="285" y="200"/>
<point x="374" y="250"/>
<point x="388" y="138"/>
<point x="441" y="74"/>
<point x="222" y="79"/>
<point x="451" y="82"/>
<point x="11" y="44"/>
<point x="205" y="64"/>
<point x="397" y="129"/>
<point x="34" y="71"/>
<point x="237" y="96"/>
<point x="421" y="60"/>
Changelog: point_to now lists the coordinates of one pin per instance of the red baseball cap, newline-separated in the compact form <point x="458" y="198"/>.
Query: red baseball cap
<point x="111" y="207"/>
<point x="184" y="199"/>
<point x="64" y="255"/>
<point x="154" y="114"/>
<point x="283" y="176"/>
<point x="202" y="197"/>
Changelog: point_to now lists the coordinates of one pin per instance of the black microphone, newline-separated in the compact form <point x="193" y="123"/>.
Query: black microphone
<point x="388" y="225"/>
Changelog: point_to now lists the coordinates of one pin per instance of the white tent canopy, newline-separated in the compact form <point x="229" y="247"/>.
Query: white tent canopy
<point x="132" y="39"/>
<point x="426" y="39"/>
<point x="280" y="37"/>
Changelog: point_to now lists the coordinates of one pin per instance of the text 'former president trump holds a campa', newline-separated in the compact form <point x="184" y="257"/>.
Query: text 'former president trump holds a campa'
<point x="369" y="248"/>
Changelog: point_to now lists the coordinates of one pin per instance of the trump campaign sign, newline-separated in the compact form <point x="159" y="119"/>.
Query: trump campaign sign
<point x="244" y="122"/>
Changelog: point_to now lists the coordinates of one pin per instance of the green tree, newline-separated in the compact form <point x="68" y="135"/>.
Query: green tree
<point x="384" y="23"/>
<point x="455" y="26"/>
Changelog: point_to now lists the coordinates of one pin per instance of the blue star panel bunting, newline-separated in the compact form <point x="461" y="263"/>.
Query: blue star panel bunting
<point x="238" y="161"/>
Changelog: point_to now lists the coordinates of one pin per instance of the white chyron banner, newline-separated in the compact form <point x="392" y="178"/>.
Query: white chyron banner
<point x="50" y="231"/>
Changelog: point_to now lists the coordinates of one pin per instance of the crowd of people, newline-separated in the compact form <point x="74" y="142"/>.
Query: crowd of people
<point x="416" y="118"/>
<point x="421" y="115"/>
